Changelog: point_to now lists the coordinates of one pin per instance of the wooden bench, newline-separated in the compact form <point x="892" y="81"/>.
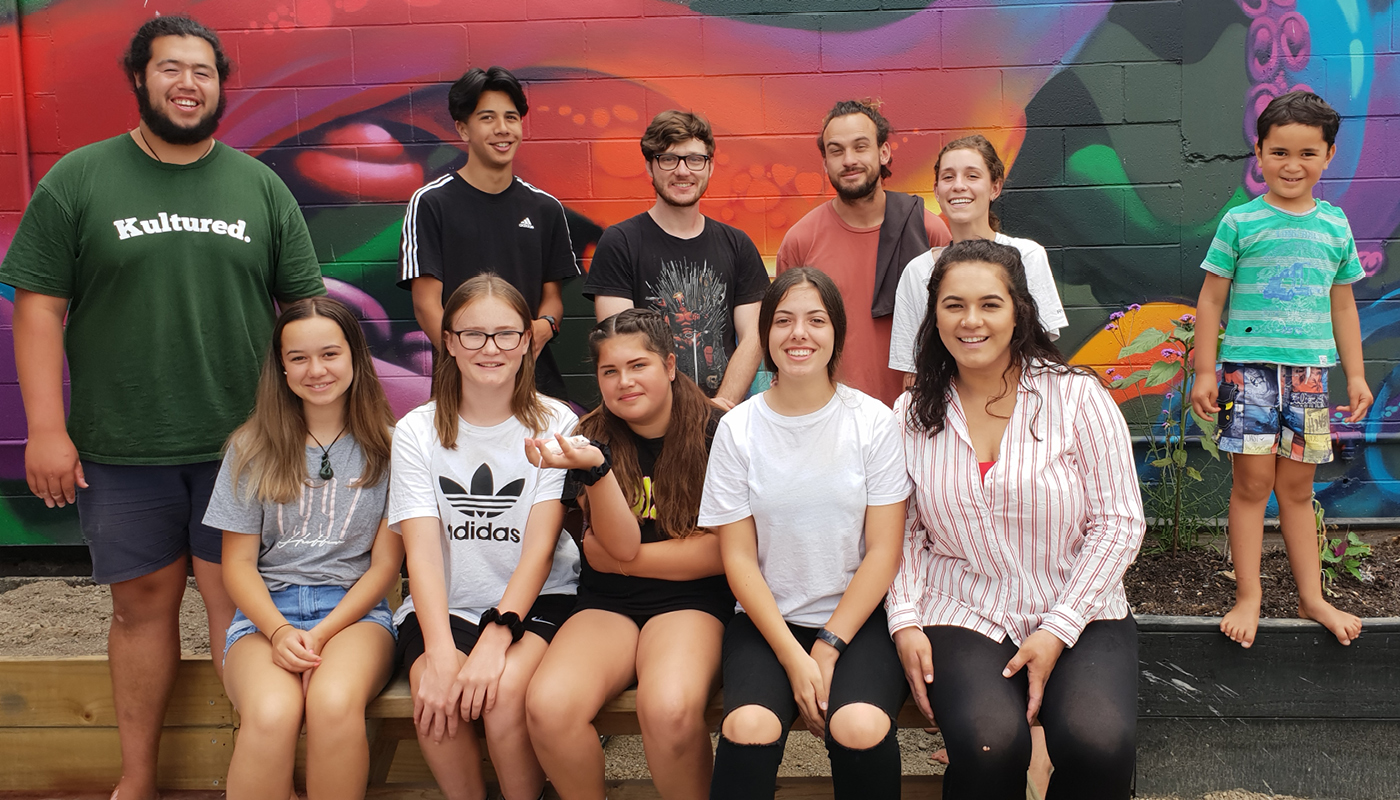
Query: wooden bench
<point x="391" y="721"/>
<point x="58" y="733"/>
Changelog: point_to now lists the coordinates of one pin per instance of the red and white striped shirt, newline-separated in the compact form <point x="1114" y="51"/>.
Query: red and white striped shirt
<point x="1044" y="540"/>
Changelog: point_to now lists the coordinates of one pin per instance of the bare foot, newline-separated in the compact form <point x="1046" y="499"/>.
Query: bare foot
<point x="1242" y="622"/>
<point x="128" y="790"/>
<point x="1342" y="625"/>
<point x="939" y="756"/>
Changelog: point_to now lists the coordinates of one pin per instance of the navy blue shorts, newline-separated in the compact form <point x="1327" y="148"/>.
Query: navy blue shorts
<point x="139" y="518"/>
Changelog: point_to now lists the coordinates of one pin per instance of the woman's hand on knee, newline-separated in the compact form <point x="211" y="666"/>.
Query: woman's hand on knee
<point x="916" y="654"/>
<point x="480" y="677"/>
<point x="1038" y="655"/>
<point x="810" y="690"/>
<point x="435" y="711"/>
<point x="294" y="650"/>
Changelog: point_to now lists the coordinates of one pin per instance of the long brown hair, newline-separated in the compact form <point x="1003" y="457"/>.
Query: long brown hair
<point x="271" y="446"/>
<point x="996" y="170"/>
<point x="831" y="300"/>
<point x="680" y="470"/>
<point x="525" y="402"/>
<point x="1031" y="347"/>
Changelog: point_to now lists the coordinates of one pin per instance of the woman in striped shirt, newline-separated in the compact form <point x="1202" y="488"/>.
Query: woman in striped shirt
<point x="1026" y="515"/>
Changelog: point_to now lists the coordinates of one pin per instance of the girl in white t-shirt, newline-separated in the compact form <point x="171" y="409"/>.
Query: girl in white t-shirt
<point x="806" y="488"/>
<point x="969" y="177"/>
<point x="307" y="557"/>
<point x="652" y="601"/>
<point x="491" y="573"/>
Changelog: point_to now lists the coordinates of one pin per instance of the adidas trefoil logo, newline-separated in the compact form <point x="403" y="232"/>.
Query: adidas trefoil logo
<point x="526" y="223"/>
<point x="482" y="500"/>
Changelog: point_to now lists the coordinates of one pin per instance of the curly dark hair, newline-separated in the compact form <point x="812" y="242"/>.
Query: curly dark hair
<point x="138" y="52"/>
<point x="1031" y="346"/>
<point x="870" y="108"/>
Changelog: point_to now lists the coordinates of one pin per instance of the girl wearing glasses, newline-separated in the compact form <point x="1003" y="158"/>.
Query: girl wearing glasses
<point x="492" y="575"/>
<point x="653" y="600"/>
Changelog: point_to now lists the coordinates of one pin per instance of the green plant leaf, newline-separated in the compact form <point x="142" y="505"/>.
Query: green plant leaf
<point x="1179" y="457"/>
<point x="1147" y="340"/>
<point x="1162" y="372"/>
<point x="1350" y="567"/>
<point x="1184" y="335"/>
<point x="1129" y="380"/>
<point x="1164" y="461"/>
<point x="1194" y="473"/>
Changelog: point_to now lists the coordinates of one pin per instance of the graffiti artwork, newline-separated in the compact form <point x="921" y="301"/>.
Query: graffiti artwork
<point x="1127" y="128"/>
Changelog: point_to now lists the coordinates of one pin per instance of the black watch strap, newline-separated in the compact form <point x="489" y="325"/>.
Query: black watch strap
<point x="832" y="639"/>
<point x="553" y="323"/>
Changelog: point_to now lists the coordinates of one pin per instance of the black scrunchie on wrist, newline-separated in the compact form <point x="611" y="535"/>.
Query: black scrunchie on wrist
<point x="509" y="620"/>
<point x="590" y="476"/>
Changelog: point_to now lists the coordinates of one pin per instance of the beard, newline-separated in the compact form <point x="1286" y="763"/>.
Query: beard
<point x="163" y="127"/>
<point x="656" y="186"/>
<point x="853" y="193"/>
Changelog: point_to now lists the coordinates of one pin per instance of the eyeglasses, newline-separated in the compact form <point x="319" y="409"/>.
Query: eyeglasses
<point x="475" y="340"/>
<point x="669" y="161"/>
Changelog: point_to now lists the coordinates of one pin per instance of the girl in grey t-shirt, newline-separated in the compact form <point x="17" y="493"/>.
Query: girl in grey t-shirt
<point x="308" y="557"/>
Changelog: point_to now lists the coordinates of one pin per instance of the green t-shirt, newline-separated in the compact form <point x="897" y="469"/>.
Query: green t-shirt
<point x="171" y="271"/>
<point x="1281" y="268"/>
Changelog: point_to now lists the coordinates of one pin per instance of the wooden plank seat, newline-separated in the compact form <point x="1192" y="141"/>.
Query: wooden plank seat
<point x="58" y="733"/>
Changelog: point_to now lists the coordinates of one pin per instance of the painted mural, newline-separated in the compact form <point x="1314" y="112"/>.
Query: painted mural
<point x="1127" y="127"/>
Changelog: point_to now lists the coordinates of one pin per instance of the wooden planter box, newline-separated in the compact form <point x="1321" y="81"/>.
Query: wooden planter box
<point x="1296" y="714"/>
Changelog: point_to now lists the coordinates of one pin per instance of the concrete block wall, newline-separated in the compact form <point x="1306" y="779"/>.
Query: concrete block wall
<point x="1125" y="126"/>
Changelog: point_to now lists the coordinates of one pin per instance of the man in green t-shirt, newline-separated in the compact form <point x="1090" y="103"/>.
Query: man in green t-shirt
<point x="165" y="250"/>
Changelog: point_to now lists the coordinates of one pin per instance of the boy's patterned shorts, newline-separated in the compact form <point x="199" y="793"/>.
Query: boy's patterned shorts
<point x="1272" y="408"/>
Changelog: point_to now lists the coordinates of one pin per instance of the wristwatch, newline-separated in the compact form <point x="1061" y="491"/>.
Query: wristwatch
<point x="510" y="620"/>
<point x="553" y="323"/>
<point x="832" y="639"/>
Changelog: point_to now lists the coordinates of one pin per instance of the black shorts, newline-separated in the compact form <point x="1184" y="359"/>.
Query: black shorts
<point x="717" y="606"/>
<point x="544" y="619"/>
<point x="139" y="518"/>
<point x="868" y="672"/>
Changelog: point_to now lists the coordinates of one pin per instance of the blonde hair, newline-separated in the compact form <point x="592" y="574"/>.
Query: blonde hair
<point x="525" y="403"/>
<point x="271" y="446"/>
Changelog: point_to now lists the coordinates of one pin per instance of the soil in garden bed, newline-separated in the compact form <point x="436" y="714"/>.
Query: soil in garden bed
<point x="1201" y="583"/>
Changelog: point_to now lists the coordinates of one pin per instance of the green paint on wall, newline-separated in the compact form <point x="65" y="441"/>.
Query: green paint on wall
<point x="1099" y="165"/>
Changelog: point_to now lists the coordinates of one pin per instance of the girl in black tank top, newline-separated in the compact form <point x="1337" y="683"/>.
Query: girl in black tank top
<point x="653" y="599"/>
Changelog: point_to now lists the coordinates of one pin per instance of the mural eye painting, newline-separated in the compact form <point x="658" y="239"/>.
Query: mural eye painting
<point x="354" y="134"/>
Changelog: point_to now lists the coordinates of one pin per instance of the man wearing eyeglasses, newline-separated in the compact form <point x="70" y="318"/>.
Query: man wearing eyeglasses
<point x="706" y="277"/>
<point x="482" y="218"/>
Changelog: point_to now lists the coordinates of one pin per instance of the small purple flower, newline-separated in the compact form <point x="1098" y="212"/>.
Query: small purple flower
<point x="1168" y="352"/>
<point x="1188" y="318"/>
<point x="1110" y="370"/>
<point x="1116" y="315"/>
<point x="1110" y="327"/>
<point x="1169" y="396"/>
<point x="1134" y="307"/>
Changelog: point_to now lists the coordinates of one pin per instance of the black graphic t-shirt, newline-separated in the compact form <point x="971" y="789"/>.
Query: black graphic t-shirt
<point x="632" y="595"/>
<point x="696" y="283"/>
<point x="481" y="493"/>
<point x="453" y="231"/>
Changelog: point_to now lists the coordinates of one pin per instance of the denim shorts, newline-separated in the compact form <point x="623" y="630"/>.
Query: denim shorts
<point x="1268" y="409"/>
<point x="304" y="606"/>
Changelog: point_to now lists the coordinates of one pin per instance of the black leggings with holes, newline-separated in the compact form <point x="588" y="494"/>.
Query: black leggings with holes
<point x="1089" y="714"/>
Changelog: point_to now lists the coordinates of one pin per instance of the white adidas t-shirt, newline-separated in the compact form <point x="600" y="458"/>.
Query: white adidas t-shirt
<point x="482" y="493"/>
<point x="806" y="481"/>
<point x="911" y="298"/>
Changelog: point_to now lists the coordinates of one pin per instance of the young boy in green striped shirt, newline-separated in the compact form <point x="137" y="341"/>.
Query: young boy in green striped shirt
<point x="1285" y="262"/>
